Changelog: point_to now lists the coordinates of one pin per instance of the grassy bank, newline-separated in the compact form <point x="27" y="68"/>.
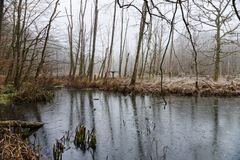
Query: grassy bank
<point x="42" y="90"/>
<point x="183" y="86"/>
<point x="7" y="92"/>
<point x="29" y="92"/>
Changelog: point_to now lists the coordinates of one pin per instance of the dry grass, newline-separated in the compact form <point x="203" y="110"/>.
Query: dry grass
<point x="13" y="147"/>
<point x="33" y="93"/>
<point x="180" y="86"/>
<point x="183" y="86"/>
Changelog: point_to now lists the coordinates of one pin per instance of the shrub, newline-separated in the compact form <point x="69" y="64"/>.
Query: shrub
<point x="33" y="94"/>
<point x="8" y="89"/>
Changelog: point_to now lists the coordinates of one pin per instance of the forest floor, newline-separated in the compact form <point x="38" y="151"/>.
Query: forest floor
<point x="178" y="86"/>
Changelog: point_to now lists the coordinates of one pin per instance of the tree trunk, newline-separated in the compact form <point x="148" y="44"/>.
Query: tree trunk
<point x="142" y="60"/>
<point x="23" y="48"/>
<point x="72" y="70"/>
<point x="31" y="60"/>
<point x="43" y="53"/>
<point x="89" y="49"/>
<point x="1" y="17"/>
<point x="91" y="64"/>
<point x="126" y="66"/>
<point x="82" y="38"/>
<point x="217" y="53"/>
<point x="170" y="57"/>
<point x="11" y="52"/>
<point x="101" y="72"/>
<point x="141" y="31"/>
<point x="121" y="45"/>
<point x="17" y="46"/>
<point x="112" y="42"/>
<point x="148" y="49"/>
<point x="192" y="44"/>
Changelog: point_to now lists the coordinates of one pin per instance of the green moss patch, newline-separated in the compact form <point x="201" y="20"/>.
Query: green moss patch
<point x="32" y="94"/>
<point x="6" y="94"/>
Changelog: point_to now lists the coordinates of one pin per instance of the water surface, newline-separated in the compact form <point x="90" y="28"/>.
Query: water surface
<point x="139" y="127"/>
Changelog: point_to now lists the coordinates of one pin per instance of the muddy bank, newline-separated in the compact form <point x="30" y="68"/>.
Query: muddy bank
<point x="184" y="87"/>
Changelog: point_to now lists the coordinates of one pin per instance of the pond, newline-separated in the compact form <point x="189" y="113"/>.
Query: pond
<point x="136" y="127"/>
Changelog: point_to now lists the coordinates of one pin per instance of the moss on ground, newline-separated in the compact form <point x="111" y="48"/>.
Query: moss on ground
<point x="6" y="94"/>
<point x="5" y="98"/>
<point x="32" y="94"/>
<point x="27" y="94"/>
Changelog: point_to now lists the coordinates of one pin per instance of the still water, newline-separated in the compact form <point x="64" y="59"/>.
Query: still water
<point x="138" y="127"/>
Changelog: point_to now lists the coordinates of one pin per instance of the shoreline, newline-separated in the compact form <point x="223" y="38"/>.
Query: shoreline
<point x="180" y="87"/>
<point x="175" y="86"/>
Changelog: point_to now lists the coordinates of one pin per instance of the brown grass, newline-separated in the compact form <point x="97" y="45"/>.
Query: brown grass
<point x="13" y="147"/>
<point x="183" y="87"/>
<point x="33" y="92"/>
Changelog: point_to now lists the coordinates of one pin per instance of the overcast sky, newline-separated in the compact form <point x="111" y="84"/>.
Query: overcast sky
<point x="105" y="23"/>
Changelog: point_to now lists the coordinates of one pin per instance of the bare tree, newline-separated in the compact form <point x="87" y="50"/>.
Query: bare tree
<point x="140" y="38"/>
<point x="148" y="47"/>
<point x="82" y="38"/>
<point x="122" y="42"/>
<point x="1" y="15"/>
<point x="91" y="64"/>
<point x="43" y="53"/>
<point x="235" y="9"/>
<point x="152" y="67"/>
<point x="126" y="66"/>
<point x="171" y="53"/>
<point x="112" y="42"/>
<point x="70" y="41"/>
<point x="168" y="42"/>
<point x="217" y="16"/>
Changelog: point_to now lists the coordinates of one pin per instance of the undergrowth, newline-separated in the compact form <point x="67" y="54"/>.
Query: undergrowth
<point x="33" y="93"/>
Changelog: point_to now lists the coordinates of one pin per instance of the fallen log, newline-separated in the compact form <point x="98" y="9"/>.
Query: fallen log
<point x="23" y="124"/>
<point x="24" y="128"/>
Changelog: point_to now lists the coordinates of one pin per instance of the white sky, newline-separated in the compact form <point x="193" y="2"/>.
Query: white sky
<point x="105" y="24"/>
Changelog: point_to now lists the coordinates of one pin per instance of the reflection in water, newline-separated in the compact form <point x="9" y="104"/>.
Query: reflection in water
<point x="82" y="104"/>
<point x="215" y="130"/>
<point x="139" y="127"/>
<point x="71" y="112"/>
<point x="91" y="111"/>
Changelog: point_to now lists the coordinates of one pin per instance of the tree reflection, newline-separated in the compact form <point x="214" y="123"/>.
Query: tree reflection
<point x="216" y="127"/>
